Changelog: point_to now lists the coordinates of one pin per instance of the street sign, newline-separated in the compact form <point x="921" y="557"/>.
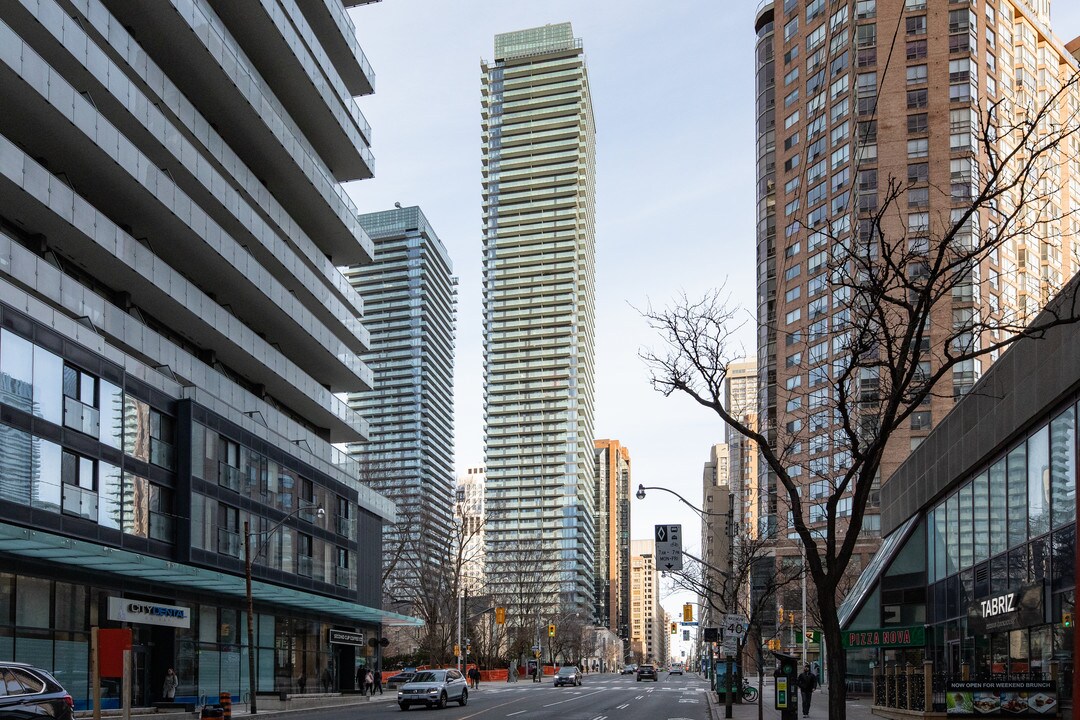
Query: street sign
<point x="669" y="547"/>
<point x="730" y="645"/>
<point x="735" y="625"/>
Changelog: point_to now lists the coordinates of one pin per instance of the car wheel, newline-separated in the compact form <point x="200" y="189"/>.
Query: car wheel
<point x="442" y="701"/>
<point x="464" y="699"/>
<point x="403" y="706"/>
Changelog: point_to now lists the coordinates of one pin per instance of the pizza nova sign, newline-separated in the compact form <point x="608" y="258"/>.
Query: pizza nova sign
<point x="886" y="637"/>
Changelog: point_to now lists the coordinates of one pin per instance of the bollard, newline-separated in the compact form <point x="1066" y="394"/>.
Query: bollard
<point x="225" y="701"/>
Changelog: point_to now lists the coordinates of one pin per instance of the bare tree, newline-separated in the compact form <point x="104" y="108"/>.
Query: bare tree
<point x="905" y="316"/>
<point x="520" y="585"/>
<point x="749" y="587"/>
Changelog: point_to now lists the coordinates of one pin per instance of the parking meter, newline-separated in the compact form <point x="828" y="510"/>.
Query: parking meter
<point x="786" y="698"/>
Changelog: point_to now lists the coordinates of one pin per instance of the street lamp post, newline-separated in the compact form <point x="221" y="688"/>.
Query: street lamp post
<point x="320" y="513"/>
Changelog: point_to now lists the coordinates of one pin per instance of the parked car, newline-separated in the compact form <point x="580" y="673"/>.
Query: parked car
<point x="647" y="672"/>
<point x="567" y="675"/>
<point x="32" y="692"/>
<point x="433" y="688"/>
<point x="399" y="678"/>
<point x="628" y="670"/>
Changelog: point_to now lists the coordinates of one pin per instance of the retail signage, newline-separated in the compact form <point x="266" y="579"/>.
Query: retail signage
<point x="1021" y="698"/>
<point x="885" y="637"/>
<point x="1011" y="610"/>
<point x="149" y="613"/>
<point x="346" y="637"/>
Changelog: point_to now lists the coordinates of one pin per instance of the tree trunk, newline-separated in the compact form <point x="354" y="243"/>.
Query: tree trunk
<point x="834" y="650"/>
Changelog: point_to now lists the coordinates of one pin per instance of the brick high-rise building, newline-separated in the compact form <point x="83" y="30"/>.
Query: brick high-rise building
<point x="613" y="536"/>
<point x="854" y="96"/>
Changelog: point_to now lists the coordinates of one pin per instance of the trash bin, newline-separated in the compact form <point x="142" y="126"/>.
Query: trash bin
<point x="212" y="711"/>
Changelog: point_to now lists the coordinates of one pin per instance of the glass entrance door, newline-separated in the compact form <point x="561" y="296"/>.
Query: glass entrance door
<point x="141" y="693"/>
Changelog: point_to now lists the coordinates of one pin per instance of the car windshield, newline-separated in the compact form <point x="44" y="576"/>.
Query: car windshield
<point x="567" y="671"/>
<point x="429" y="676"/>
<point x="645" y="667"/>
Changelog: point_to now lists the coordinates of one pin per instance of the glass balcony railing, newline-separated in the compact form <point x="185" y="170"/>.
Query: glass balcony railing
<point x="229" y="476"/>
<point x="162" y="454"/>
<point x="80" y="417"/>
<point x="345" y="526"/>
<point x="343" y="577"/>
<point x="80" y="502"/>
<point x="303" y="565"/>
<point x="228" y="543"/>
<point x="162" y="527"/>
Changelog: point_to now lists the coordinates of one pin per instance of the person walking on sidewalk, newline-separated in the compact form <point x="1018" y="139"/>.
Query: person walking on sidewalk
<point x="378" y="681"/>
<point x="806" y="682"/>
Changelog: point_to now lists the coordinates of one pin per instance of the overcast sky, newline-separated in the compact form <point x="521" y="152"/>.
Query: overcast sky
<point x="673" y="95"/>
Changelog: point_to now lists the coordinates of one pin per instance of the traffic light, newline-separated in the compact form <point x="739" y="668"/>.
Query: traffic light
<point x="457" y="651"/>
<point x="674" y="628"/>
<point x="1067" y="619"/>
<point x="780" y="615"/>
<point x="551" y="630"/>
<point x="791" y="618"/>
<point x="500" y="616"/>
<point x="688" y="613"/>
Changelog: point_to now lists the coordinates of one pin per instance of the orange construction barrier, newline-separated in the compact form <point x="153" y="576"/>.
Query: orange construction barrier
<point x="225" y="701"/>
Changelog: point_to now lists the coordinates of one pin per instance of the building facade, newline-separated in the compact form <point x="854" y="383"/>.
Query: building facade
<point x="646" y="615"/>
<point x="539" y="313"/>
<point x="612" y="522"/>
<point x="717" y="543"/>
<point x="174" y="331"/>
<point x="980" y="529"/>
<point x="877" y="102"/>
<point x="740" y="397"/>
<point x="469" y="518"/>
<point x="410" y="300"/>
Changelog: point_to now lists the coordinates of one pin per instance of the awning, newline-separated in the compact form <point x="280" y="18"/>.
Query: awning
<point x="891" y="545"/>
<point x="27" y="543"/>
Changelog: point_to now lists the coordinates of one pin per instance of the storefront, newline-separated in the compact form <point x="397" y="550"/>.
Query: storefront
<point x="980" y="539"/>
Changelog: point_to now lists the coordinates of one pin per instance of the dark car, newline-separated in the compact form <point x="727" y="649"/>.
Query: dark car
<point x="629" y="670"/>
<point x="399" y="678"/>
<point x="568" y="675"/>
<point x="647" y="672"/>
<point x="27" y="691"/>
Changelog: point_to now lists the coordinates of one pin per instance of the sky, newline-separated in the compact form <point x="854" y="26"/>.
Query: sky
<point x="673" y="95"/>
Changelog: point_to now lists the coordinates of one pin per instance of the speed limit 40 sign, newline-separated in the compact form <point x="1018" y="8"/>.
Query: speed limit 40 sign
<point x="735" y="626"/>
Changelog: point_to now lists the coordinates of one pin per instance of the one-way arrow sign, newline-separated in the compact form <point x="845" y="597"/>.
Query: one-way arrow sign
<point x="669" y="547"/>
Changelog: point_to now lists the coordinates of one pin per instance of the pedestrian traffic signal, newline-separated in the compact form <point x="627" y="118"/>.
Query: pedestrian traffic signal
<point x="674" y="628"/>
<point x="551" y="630"/>
<point x="500" y="616"/>
<point x="688" y="613"/>
<point x="1067" y="619"/>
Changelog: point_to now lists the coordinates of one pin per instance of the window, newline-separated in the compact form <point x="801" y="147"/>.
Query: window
<point x="792" y="76"/>
<point x="866" y="35"/>
<point x="815" y="38"/>
<point x="960" y="70"/>
<point x="792" y="272"/>
<point x="916" y="74"/>
<point x="916" y="25"/>
<point x="791" y="98"/>
<point x="814" y="8"/>
<point x="918" y="148"/>
<point x="916" y="49"/>
<point x="917" y="124"/>
<point x="793" y="293"/>
<point x="918" y="172"/>
<point x="791" y="29"/>
<point x="79" y="477"/>
<point x="914" y="4"/>
<point x="917" y="99"/>
<point x="918" y="197"/>
<point x="865" y="9"/>
<point x="793" y="316"/>
<point x="80" y="401"/>
<point x="791" y="142"/>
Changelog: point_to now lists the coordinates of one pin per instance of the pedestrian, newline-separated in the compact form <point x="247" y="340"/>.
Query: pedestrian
<point x="369" y="683"/>
<point x="168" y="688"/>
<point x="806" y="682"/>
<point x="378" y="681"/>
<point x="361" y="678"/>
<point x="301" y="682"/>
<point x="474" y="676"/>
<point x="326" y="679"/>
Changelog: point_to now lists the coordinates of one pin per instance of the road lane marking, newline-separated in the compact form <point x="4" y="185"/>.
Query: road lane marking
<point x="623" y="706"/>
<point x="493" y="707"/>
<point x="516" y="713"/>
<point x="571" y="699"/>
<point x="639" y="697"/>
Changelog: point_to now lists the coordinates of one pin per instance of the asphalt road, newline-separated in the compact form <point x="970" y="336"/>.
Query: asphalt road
<point x="600" y="697"/>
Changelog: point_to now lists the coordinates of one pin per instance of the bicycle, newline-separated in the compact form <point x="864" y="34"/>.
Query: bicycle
<point x="749" y="692"/>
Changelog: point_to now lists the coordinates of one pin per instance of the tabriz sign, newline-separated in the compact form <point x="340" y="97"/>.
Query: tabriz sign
<point x="885" y="637"/>
<point x="1022" y="698"/>
<point x="1011" y="610"/>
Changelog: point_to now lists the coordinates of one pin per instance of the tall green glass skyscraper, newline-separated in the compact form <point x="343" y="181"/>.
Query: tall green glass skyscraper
<point x="539" y="321"/>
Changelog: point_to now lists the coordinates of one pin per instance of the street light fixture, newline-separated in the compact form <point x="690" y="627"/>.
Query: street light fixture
<point x="641" y="496"/>
<point x="320" y="513"/>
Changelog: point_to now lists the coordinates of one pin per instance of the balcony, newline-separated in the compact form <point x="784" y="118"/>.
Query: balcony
<point x="162" y="454"/>
<point x="345" y="527"/>
<point x="163" y="527"/>
<point x="303" y="565"/>
<point x="228" y="543"/>
<point x="80" y="502"/>
<point x="229" y="477"/>
<point x="80" y="417"/>
<point x="344" y="577"/>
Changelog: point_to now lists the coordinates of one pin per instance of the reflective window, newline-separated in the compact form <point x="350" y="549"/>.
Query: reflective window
<point x="998" y="536"/>
<point x="980" y="497"/>
<point x="966" y="525"/>
<point x="136" y="507"/>
<point x="1017" y="498"/>
<point x="16" y="371"/>
<point x="110" y="496"/>
<point x="137" y="428"/>
<point x="111" y="414"/>
<point x="1063" y="468"/>
<point x="1038" y="463"/>
<point x="48" y="382"/>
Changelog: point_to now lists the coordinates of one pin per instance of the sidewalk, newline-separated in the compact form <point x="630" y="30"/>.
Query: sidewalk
<point x="857" y="708"/>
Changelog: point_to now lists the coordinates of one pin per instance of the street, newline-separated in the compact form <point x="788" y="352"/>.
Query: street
<point x="600" y="697"/>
